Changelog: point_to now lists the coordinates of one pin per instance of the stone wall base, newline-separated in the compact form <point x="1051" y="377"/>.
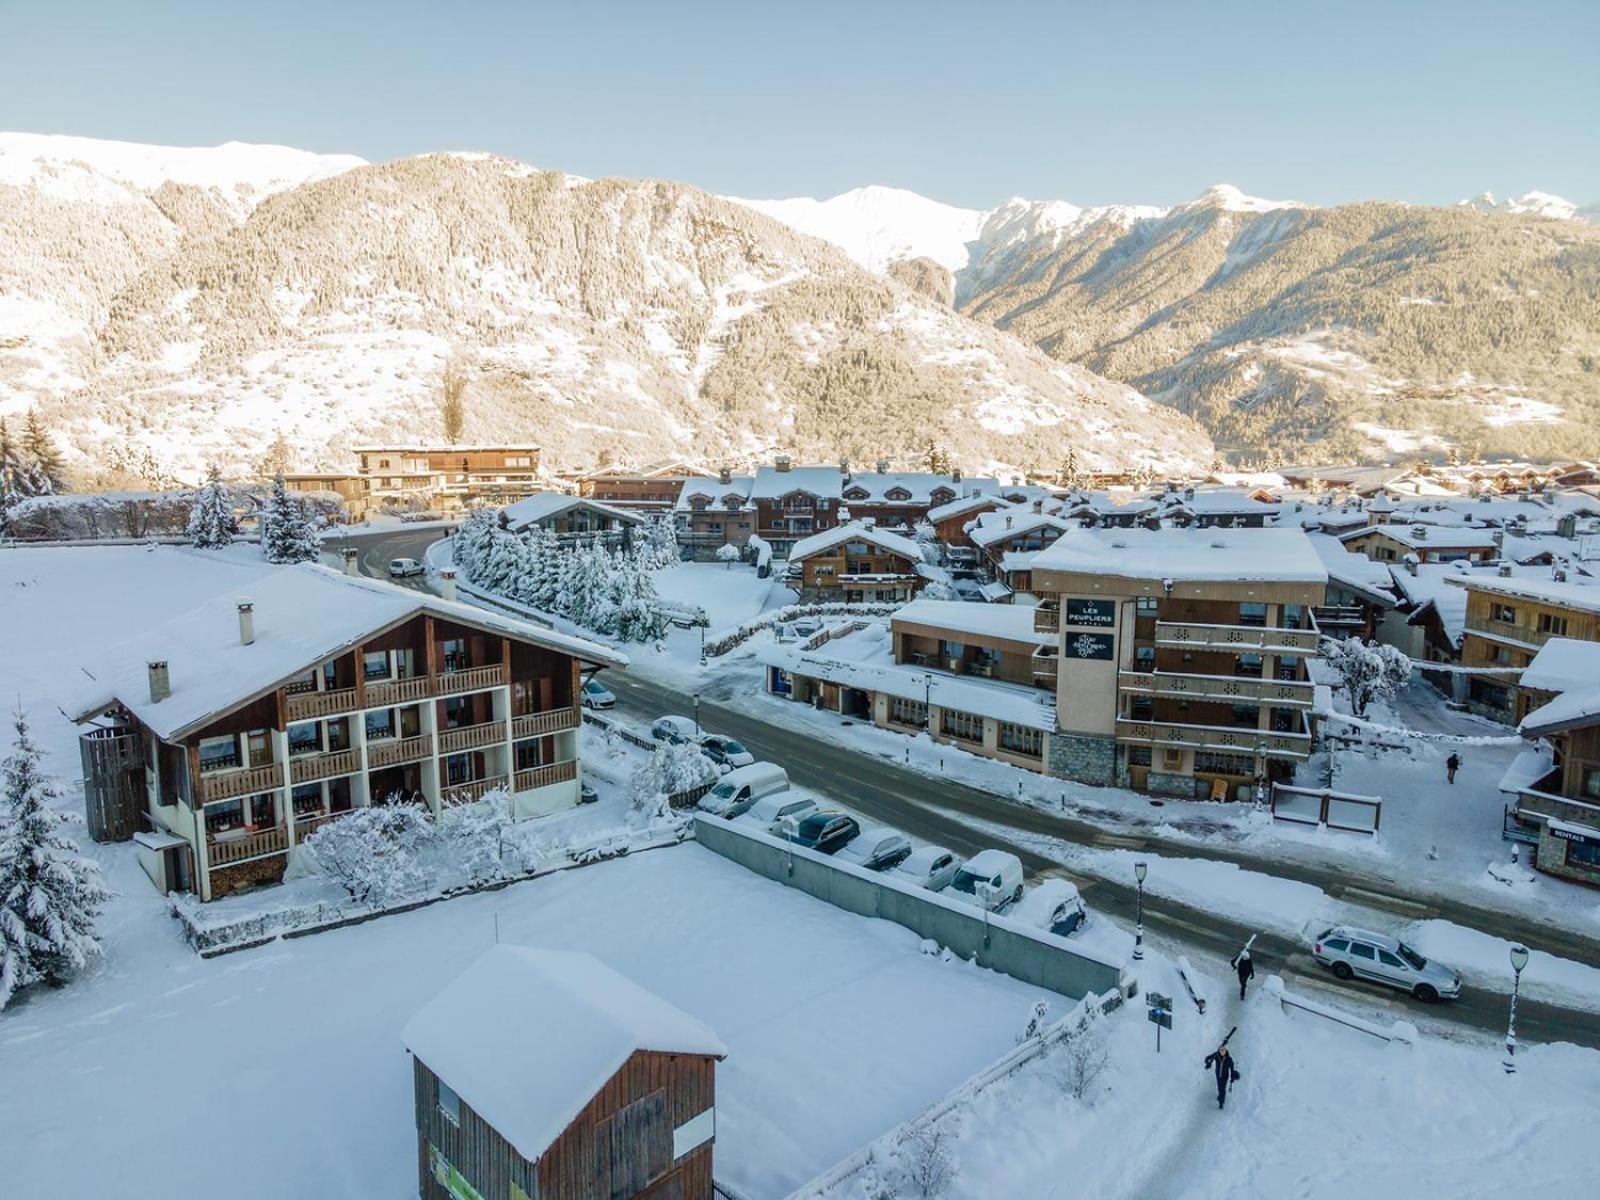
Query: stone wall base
<point x="1084" y="758"/>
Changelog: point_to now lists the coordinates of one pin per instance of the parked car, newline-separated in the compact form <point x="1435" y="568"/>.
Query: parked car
<point x="1377" y="956"/>
<point x="673" y="729"/>
<point x="1053" y="905"/>
<point x="770" y="812"/>
<point x="825" y="831"/>
<point x="587" y="794"/>
<point x="931" y="867"/>
<point x="740" y="788"/>
<point x="877" y="849"/>
<point x="401" y="568"/>
<point x="724" y="751"/>
<point x="999" y="871"/>
<point x="597" y="695"/>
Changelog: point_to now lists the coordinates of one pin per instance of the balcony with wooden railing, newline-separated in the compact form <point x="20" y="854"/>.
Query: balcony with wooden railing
<point x="1264" y="638"/>
<point x="222" y="849"/>
<point x="1280" y="693"/>
<point x="1047" y="617"/>
<point x="1237" y="739"/>
<point x="477" y="789"/>
<point x="538" y="777"/>
<point x="242" y="781"/>
<point x="471" y="737"/>
<point x="539" y="724"/>
<point x="307" y="705"/>
<point x="395" y="752"/>
<point x="1507" y="631"/>
<point x="470" y="679"/>
<point x="1046" y="661"/>
<point x="308" y="768"/>
<point x="381" y="693"/>
<point x="305" y="826"/>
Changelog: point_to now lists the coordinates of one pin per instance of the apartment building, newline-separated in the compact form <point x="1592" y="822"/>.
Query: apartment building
<point x="349" y="487"/>
<point x="1429" y="543"/>
<point x="1509" y="618"/>
<point x="573" y="519"/>
<point x="791" y="503"/>
<point x="449" y="476"/>
<point x="653" y="489"/>
<point x="1183" y="656"/>
<point x="902" y="499"/>
<point x="712" y="512"/>
<point x="856" y="563"/>
<point x="241" y="727"/>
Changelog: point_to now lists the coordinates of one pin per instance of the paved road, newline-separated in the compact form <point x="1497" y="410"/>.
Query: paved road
<point x="377" y="549"/>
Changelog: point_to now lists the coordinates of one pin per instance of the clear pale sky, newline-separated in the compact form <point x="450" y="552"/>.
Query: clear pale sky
<point x="969" y="103"/>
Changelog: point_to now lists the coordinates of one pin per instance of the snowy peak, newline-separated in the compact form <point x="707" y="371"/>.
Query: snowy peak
<point x="1227" y="198"/>
<point x="1538" y="204"/>
<point x="876" y="225"/>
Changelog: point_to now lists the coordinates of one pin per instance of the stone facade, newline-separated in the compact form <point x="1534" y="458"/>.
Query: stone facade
<point x="1159" y="783"/>
<point x="1084" y="757"/>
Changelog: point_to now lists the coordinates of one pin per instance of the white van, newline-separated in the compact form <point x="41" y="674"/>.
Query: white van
<point x="742" y="787"/>
<point x="770" y="812"/>
<point x="990" y="879"/>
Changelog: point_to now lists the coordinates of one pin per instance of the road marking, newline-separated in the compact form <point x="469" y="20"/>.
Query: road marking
<point x="1384" y="901"/>
<point x="1119" y="842"/>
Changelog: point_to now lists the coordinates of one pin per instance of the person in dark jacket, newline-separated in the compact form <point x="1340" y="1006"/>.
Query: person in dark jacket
<point x="1227" y="1075"/>
<point x="1451" y="766"/>
<point x="1246" y="969"/>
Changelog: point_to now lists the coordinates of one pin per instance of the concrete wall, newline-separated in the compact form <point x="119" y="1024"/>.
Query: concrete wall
<point x="1033" y="956"/>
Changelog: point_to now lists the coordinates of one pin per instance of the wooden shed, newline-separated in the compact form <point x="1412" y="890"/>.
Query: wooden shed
<point x="546" y="1075"/>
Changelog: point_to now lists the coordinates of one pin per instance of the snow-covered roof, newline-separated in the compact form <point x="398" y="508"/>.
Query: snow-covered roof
<point x="965" y="504"/>
<point x="527" y="1037"/>
<point x="1563" y="665"/>
<point x="1579" y="593"/>
<point x="773" y="484"/>
<point x="1276" y="555"/>
<point x="1360" y="574"/>
<point x="992" y="527"/>
<point x="1011" y="622"/>
<point x="919" y="486"/>
<point x="714" y="490"/>
<point x="1432" y="586"/>
<point x="1430" y="537"/>
<point x="1216" y="502"/>
<point x="541" y="506"/>
<point x="303" y="614"/>
<point x="1567" y="711"/>
<point x="856" y="531"/>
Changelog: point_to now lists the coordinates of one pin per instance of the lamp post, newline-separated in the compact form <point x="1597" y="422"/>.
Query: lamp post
<point x="927" y="702"/>
<point x="1139" y="871"/>
<point x="1519" y="959"/>
<point x="697" y="714"/>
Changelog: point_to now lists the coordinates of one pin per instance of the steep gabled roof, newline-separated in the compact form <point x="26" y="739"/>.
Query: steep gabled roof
<point x="541" y="506"/>
<point x="856" y="531"/>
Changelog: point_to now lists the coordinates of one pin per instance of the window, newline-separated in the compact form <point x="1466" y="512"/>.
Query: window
<point x="952" y="649"/>
<point x="307" y="799"/>
<point x="263" y="811"/>
<point x="220" y="818"/>
<point x="1591" y="782"/>
<point x="1138" y="756"/>
<point x="375" y="664"/>
<point x="519" y="460"/>
<point x="1146" y="606"/>
<point x="380" y="724"/>
<point x="1288" y="667"/>
<point x="454" y="654"/>
<point x="1362" y="950"/>
<point x="1339" y="944"/>
<point x="1390" y="960"/>
<point x="1019" y="739"/>
<point x="1248" y="665"/>
<point x="907" y="712"/>
<point x="1585" y="854"/>
<point x="219" y="753"/>
<point x="967" y="726"/>
<point x="458" y="769"/>
<point x="1223" y="764"/>
<point x="1293" y="616"/>
<point x="1553" y="625"/>
<point x="1144" y="658"/>
<point x="449" y="1103"/>
<point x="1252" y="613"/>
<point x="305" y="738"/>
<point x="457" y="712"/>
<point x="1246" y="714"/>
<point x="1141" y="708"/>
<point x="1503" y="612"/>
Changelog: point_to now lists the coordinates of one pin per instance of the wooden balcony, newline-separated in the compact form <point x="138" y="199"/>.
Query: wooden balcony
<point x="1047" y="618"/>
<point x="538" y="777"/>
<point x="1508" y="631"/>
<point x="538" y="724"/>
<point x="304" y="827"/>
<point x="242" y="781"/>
<point x="308" y="768"/>
<point x="396" y="751"/>
<point x="1045" y="660"/>
<point x="471" y="737"/>
<point x="304" y="706"/>
<point x="383" y="692"/>
<point x="472" y="679"/>
<point x="467" y="793"/>
<point x="1236" y="739"/>
<point x="1240" y="638"/>
<point x="1279" y="693"/>
<point x="224" y="849"/>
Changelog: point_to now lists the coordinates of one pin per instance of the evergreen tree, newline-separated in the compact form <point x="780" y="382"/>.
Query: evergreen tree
<point x="278" y="458"/>
<point x="211" y="523"/>
<point x="10" y="477"/>
<point x="50" y="474"/>
<point x="50" y="895"/>
<point x="288" y="534"/>
<point x="551" y="559"/>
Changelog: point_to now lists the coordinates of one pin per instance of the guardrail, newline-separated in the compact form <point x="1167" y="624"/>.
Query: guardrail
<point x="1400" y="1031"/>
<point x="246" y="781"/>
<point x="221" y="851"/>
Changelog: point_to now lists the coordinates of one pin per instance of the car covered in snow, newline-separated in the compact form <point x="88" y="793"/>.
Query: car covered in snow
<point x="1361" y="954"/>
<point x="770" y="812"/>
<point x="737" y="792"/>
<point x="1053" y="905"/>
<point x="403" y="568"/>
<point x="725" y="751"/>
<point x="674" y="729"/>
<point x="877" y="849"/>
<point x="597" y="695"/>
<point x="826" y="831"/>
<point x="931" y="867"/>
<point x="990" y="879"/>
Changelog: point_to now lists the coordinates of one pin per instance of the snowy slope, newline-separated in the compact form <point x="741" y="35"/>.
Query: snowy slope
<point x="1538" y="204"/>
<point x="876" y="225"/>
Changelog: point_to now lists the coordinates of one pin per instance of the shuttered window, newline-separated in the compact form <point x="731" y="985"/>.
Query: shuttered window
<point x="640" y="1144"/>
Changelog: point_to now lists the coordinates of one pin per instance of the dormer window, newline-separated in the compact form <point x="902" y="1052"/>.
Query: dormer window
<point x="856" y="493"/>
<point x="942" y="495"/>
<point x="897" y="494"/>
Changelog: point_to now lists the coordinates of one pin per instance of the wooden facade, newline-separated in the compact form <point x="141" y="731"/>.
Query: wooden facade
<point x="1506" y="630"/>
<point x="856" y="571"/>
<point x="450" y="474"/>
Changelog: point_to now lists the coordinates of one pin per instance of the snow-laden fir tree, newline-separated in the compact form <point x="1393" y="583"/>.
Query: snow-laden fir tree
<point x="288" y="534"/>
<point x="472" y="540"/>
<point x="50" y="474"/>
<point x="675" y="767"/>
<point x="548" y="554"/>
<point x="50" y="895"/>
<point x="1370" y="670"/>
<point x="211" y="523"/>
<point x="372" y="852"/>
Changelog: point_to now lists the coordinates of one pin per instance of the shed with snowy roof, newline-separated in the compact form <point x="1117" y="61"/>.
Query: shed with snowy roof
<point x="543" y="1073"/>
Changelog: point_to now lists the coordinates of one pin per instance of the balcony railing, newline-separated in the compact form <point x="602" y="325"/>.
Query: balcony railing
<point x="382" y="693"/>
<point x="471" y="737"/>
<point x="306" y="705"/>
<point x="472" y="679"/>
<point x="311" y="767"/>
<point x="305" y="826"/>
<point x="538" y="777"/>
<point x="538" y="724"/>
<point x="1236" y="637"/>
<point x="246" y="781"/>
<point x="1281" y="693"/>
<point x="402" y="750"/>
<point x="477" y="789"/>
<point x="1046" y="660"/>
<point x="223" y="850"/>
<point x="1047" y="619"/>
<point x="1509" y="631"/>
<point x="1266" y="742"/>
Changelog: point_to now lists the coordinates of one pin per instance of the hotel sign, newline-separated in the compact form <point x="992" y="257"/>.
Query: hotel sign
<point x="1099" y="613"/>
<point x="1094" y="646"/>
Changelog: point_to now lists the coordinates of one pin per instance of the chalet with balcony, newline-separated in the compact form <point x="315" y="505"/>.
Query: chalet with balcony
<point x="900" y="500"/>
<point x="856" y="563"/>
<point x="1183" y="656"/>
<point x="351" y="489"/>
<point x="239" y="728"/>
<point x="449" y="476"/>
<point x="951" y="521"/>
<point x="573" y="519"/>
<point x="1429" y="543"/>
<point x="1508" y="619"/>
<point x="652" y="489"/>
<point x="546" y="1074"/>
<point x="712" y="512"/>
<point x="791" y="503"/>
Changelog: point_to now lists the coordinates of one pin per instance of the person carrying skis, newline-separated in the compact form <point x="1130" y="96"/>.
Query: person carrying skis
<point x="1451" y="766"/>
<point x="1246" y="968"/>
<point x="1222" y="1066"/>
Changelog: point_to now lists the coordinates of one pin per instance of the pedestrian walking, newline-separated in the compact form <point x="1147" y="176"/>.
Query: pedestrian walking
<point x="1451" y="766"/>
<point x="1246" y="968"/>
<point x="1221" y="1064"/>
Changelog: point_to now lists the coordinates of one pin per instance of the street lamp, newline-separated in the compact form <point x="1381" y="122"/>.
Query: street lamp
<point x="697" y="714"/>
<point x="1519" y="959"/>
<point x="927" y="702"/>
<point x="1139" y="871"/>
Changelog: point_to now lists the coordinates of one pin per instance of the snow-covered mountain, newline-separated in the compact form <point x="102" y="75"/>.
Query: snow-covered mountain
<point x="196" y="319"/>
<point x="1538" y="204"/>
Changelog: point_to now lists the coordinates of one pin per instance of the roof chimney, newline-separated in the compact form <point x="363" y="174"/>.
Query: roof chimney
<point x="1038" y="505"/>
<point x="1505" y="570"/>
<point x="1411" y="562"/>
<point x="883" y="466"/>
<point x="447" y="578"/>
<point x="352" y="561"/>
<point x="160" y="681"/>
<point x="955" y="474"/>
<point x="1008" y="520"/>
<point x="725" y="474"/>
<point x="844" y="469"/>
<point x="247" y="623"/>
<point x="782" y="462"/>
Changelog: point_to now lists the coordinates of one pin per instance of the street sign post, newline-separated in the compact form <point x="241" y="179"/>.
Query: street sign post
<point x="1160" y="1014"/>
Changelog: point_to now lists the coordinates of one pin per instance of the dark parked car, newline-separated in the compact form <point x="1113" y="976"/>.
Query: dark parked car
<point x="826" y="831"/>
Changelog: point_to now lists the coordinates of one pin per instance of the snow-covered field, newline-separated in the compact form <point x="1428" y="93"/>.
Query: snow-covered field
<point x="729" y="595"/>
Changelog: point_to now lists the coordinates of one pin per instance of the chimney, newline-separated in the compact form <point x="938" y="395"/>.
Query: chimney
<point x="1567" y="525"/>
<point x="1008" y="520"/>
<point x="1559" y="575"/>
<point x="844" y="469"/>
<point x="1420" y="532"/>
<point x="1411" y="564"/>
<point x="725" y="474"/>
<point x="352" y="561"/>
<point x="1188" y="493"/>
<point x="883" y="466"/>
<point x="955" y="474"/>
<point x="782" y="462"/>
<point x="160" y="681"/>
<point x="447" y="577"/>
<point x="1505" y="570"/>
<point x="1038" y="505"/>
<point x="247" y="623"/>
